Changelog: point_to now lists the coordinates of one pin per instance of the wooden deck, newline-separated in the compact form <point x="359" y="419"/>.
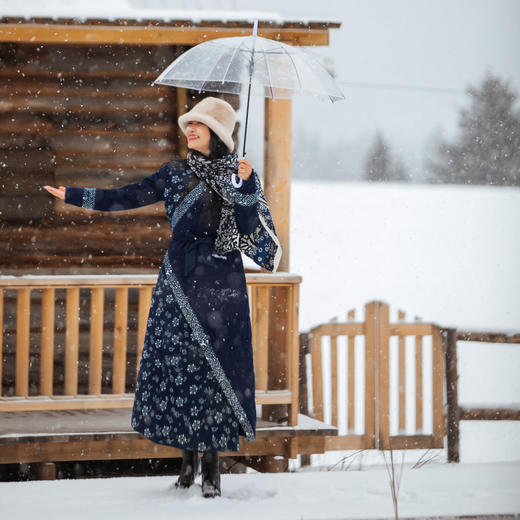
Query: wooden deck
<point x="104" y="434"/>
<point x="68" y="377"/>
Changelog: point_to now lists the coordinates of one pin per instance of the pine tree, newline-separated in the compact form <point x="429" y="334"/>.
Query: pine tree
<point x="487" y="150"/>
<point x="377" y="164"/>
<point x="380" y="165"/>
<point x="398" y="171"/>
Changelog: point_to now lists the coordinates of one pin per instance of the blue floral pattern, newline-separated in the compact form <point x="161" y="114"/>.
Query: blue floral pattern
<point x="196" y="384"/>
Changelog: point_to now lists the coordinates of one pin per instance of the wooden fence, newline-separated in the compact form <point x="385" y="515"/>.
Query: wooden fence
<point x="75" y="342"/>
<point x="92" y="339"/>
<point x="456" y="413"/>
<point x="376" y="330"/>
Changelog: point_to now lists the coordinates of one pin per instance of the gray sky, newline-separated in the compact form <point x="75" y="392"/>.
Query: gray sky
<point x="405" y="64"/>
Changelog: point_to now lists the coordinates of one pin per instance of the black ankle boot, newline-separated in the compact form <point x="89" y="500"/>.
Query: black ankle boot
<point x="189" y="468"/>
<point x="210" y="474"/>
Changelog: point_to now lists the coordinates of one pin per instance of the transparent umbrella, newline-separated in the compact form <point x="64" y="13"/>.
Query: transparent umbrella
<point x="268" y="68"/>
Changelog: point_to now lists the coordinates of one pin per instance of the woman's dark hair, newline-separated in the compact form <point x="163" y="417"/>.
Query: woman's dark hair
<point x="217" y="147"/>
<point x="212" y="200"/>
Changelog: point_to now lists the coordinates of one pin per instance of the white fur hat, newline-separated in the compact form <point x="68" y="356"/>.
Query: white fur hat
<point x="216" y="113"/>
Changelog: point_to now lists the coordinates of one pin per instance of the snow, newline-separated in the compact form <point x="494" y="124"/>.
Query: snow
<point x="508" y="406"/>
<point x="305" y="422"/>
<point x="446" y="253"/>
<point x="58" y="434"/>
<point x="122" y="9"/>
<point x="433" y="489"/>
<point x="81" y="278"/>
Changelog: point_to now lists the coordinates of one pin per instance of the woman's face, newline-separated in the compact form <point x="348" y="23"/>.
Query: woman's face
<point x="198" y="136"/>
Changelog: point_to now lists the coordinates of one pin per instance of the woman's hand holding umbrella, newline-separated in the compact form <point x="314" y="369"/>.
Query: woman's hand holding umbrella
<point x="244" y="172"/>
<point x="244" y="169"/>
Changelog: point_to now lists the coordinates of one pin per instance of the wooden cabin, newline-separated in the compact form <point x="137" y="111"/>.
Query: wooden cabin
<point x="78" y="109"/>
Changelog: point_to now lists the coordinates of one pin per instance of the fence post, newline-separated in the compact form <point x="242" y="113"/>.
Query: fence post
<point x="377" y="376"/>
<point x="370" y="374"/>
<point x="453" y="415"/>
<point x="438" y="374"/>
<point x="22" y="341"/>
<point x="305" y="459"/>
<point x="383" y="375"/>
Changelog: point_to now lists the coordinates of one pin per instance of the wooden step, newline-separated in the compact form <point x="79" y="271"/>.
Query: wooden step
<point x="99" y="424"/>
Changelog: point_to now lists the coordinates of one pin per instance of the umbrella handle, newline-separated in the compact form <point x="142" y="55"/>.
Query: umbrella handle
<point x="236" y="184"/>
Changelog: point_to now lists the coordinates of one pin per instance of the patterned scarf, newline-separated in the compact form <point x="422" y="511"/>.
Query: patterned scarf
<point x="262" y="245"/>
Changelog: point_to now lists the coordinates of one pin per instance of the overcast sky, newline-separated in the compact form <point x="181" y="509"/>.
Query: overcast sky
<point x="405" y="65"/>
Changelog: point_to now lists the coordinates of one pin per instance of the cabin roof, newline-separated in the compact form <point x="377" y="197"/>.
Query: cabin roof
<point x="123" y="12"/>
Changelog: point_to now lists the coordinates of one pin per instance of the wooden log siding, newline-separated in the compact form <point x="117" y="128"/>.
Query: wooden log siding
<point x="84" y="115"/>
<point x="102" y="379"/>
<point x="377" y="330"/>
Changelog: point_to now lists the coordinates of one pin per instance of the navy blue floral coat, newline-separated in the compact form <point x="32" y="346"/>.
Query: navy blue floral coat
<point x="196" y="384"/>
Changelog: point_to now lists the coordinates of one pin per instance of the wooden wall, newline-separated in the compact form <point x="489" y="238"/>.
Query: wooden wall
<point x="78" y="115"/>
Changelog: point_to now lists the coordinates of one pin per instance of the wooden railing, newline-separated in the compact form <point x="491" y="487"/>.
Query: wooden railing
<point x="263" y="287"/>
<point x="376" y="331"/>
<point x="30" y="324"/>
<point x="456" y="413"/>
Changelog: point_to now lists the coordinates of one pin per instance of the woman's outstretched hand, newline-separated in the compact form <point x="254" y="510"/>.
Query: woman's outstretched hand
<point x="244" y="169"/>
<point x="57" y="192"/>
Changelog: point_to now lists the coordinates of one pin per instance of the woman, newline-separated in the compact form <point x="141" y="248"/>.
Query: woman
<point x="195" y="387"/>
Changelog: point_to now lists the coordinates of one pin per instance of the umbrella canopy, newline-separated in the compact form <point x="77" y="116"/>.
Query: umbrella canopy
<point x="269" y="68"/>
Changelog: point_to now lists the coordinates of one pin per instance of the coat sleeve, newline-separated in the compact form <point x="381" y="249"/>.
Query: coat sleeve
<point x="142" y="193"/>
<point x="246" y="205"/>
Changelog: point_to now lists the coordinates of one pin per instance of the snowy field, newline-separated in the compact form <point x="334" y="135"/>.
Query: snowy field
<point x="449" y="254"/>
<point x="429" y="491"/>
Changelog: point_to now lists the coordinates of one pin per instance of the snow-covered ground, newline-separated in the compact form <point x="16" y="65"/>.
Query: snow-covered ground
<point x="431" y="490"/>
<point x="447" y="253"/>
